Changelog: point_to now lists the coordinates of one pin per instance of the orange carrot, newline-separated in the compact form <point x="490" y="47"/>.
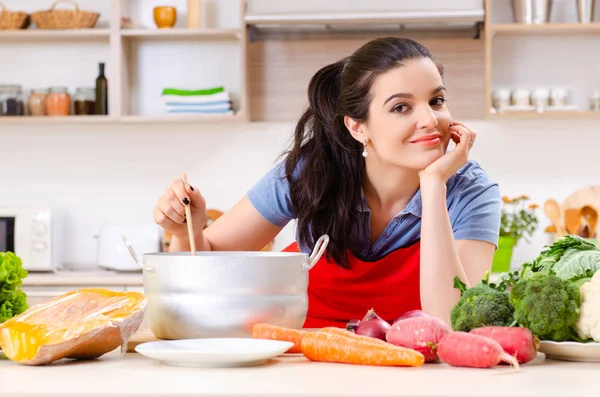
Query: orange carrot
<point x="337" y="347"/>
<point x="274" y="332"/>
<point x="343" y="332"/>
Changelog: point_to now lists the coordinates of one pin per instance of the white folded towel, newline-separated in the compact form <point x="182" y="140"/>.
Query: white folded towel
<point x="197" y="99"/>
<point x="197" y="112"/>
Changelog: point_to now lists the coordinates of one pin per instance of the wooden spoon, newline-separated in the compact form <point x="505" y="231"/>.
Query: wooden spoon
<point x="590" y="215"/>
<point x="573" y="220"/>
<point x="190" y="224"/>
<point x="552" y="210"/>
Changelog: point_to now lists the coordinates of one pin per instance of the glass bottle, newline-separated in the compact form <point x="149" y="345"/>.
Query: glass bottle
<point x="11" y="102"/>
<point x="36" y="103"/>
<point x="101" y="92"/>
<point x="84" y="101"/>
<point x="58" y="102"/>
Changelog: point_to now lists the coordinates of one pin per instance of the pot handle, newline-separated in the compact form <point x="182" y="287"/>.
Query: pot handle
<point x="317" y="251"/>
<point x="135" y="257"/>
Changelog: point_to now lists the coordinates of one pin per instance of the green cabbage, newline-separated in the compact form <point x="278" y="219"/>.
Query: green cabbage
<point x="570" y="258"/>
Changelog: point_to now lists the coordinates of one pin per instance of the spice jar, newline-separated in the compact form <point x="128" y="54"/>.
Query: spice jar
<point x="58" y="102"/>
<point x="11" y="102"/>
<point x="84" y="101"/>
<point x="37" y="102"/>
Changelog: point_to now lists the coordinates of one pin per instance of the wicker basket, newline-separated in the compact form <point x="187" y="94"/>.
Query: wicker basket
<point x="65" y="19"/>
<point x="13" y="19"/>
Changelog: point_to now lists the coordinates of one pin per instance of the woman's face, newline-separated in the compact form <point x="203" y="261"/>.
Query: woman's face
<point x="408" y="118"/>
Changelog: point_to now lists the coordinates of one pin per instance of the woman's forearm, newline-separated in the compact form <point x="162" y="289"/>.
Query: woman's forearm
<point x="440" y="262"/>
<point x="182" y="244"/>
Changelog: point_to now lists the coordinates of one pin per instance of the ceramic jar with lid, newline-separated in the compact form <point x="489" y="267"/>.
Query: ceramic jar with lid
<point x="58" y="102"/>
<point x="84" y="101"/>
<point x="11" y="100"/>
<point x="37" y="102"/>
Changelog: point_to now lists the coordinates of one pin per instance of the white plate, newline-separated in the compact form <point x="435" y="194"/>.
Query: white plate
<point x="571" y="351"/>
<point x="214" y="352"/>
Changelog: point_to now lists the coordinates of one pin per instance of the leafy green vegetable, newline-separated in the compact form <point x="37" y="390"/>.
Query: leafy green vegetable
<point x="13" y="301"/>
<point x="547" y="305"/>
<point x="569" y="257"/>
<point x="480" y="306"/>
<point x="17" y="304"/>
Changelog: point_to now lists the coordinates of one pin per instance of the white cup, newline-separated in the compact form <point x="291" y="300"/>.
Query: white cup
<point x="559" y="97"/>
<point x="521" y="98"/>
<point x="501" y="99"/>
<point x="540" y="98"/>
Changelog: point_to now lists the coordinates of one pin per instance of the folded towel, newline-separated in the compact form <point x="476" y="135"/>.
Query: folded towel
<point x="202" y="92"/>
<point x="196" y="112"/>
<point x="220" y="97"/>
<point x="198" y="105"/>
<point x="181" y="108"/>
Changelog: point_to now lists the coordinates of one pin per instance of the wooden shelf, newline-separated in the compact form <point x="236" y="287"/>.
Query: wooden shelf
<point x="47" y="34"/>
<point x="238" y="117"/>
<point x="549" y="28"/>
<point x="55" y="119"/>
<point x="584" y="114"/>
<point x="233" y="34"/>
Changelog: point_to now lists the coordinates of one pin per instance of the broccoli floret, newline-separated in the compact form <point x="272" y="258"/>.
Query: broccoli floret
<point x="480" y="306"/>
<point x="547" y="305"/>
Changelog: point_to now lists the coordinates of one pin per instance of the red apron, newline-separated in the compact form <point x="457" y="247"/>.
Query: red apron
<point x="336" y="295"/>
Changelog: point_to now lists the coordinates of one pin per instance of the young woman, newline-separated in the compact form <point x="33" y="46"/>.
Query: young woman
<point x="370" y="167"/>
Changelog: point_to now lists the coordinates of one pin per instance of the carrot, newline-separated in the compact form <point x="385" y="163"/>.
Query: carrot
<point x="350" y="334"/>
<point x="345" y="347"/>
<point x="274" y="332"/>
<point x="463" y="349"/>
<point x="516" y="341"/>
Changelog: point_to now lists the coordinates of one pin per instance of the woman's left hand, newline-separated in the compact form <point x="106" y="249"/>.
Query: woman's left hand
<point x="447" y="165"/>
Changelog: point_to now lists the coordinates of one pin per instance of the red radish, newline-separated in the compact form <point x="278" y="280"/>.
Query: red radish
<point x="372" y="325"/>
<point x="517" y="341"/>
<point x="412" y="313"/>
<point x="419" y="333"/>
<point x="463" y="349"/>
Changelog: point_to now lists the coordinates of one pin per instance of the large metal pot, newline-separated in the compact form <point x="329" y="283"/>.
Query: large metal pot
<point x="222" y="294"/>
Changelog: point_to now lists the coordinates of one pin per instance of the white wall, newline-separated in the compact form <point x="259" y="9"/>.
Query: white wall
<point x="105" y="174"/>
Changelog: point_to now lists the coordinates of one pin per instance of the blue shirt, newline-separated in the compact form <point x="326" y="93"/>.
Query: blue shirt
<point x="473" y="199"/>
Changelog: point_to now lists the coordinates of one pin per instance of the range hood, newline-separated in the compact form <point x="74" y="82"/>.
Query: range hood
<point x="363" y="14"/>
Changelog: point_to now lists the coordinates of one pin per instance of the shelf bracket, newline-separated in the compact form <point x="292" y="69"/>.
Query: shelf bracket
<point x="251" y="33"/>
<point x="478" y="28"/>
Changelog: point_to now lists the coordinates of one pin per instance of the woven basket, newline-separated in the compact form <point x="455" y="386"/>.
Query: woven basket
<point x="64" y="19"/>
<point x="13" y="19"/>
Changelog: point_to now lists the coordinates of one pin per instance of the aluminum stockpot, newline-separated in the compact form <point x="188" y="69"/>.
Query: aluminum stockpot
<point x="224" y="293"/>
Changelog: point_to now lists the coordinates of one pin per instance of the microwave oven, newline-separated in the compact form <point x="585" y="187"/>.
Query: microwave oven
<point x="33" y="235"/>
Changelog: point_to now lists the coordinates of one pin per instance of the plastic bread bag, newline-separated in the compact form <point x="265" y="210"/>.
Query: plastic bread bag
<point x="81" y="324"/>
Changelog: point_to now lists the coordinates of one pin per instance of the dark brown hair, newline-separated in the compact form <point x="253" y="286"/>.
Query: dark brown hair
<point x="326" y="189"/>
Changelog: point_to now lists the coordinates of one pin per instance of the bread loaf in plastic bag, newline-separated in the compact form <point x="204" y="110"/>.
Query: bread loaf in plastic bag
<point x="81" y="324"/>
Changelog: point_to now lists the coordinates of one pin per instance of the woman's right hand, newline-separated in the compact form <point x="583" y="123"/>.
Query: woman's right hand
<point x="169" y="211"/>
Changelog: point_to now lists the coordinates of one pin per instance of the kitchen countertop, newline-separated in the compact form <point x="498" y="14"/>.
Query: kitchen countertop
<point x="77" y="278"/>
<point x="135" y="375"/>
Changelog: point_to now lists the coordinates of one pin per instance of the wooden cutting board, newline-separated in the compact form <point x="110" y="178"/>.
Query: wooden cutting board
<point x="146" y="335"/>
<point x="141" y="336"/>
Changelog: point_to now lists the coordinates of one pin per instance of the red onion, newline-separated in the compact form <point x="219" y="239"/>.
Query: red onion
<point x="410" y="314"/>
<point x="372" y="325"/>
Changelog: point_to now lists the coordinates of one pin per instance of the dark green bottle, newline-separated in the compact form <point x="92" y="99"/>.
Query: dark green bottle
<point x="101" y="92"/>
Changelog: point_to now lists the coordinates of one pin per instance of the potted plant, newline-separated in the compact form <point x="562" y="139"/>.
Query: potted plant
<point x="518" y="221"/>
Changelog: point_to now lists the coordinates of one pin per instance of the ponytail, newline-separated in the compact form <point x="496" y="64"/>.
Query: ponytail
<point x="326" y="190"/>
